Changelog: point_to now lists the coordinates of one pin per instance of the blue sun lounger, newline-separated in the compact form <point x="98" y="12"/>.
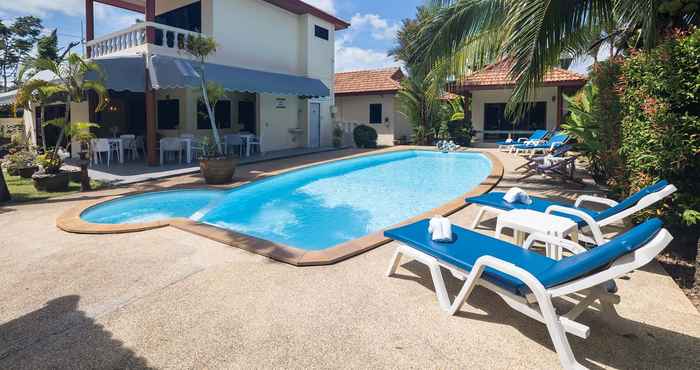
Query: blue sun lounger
<point x="589" y="221"/>
<point x="535" y="138"/>
<point x="556" y="140"/>
<point x="528" y="281"/>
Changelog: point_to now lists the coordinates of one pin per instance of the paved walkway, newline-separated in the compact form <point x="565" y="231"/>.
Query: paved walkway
<point x="132" y="172"/>
<point x="169" y="299"/>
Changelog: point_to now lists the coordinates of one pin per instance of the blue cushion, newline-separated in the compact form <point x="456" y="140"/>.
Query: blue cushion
<point x="495" y="200"/>
<point x="537" y="135"/>
<point x="468" y="246"/>
<point x="558" y="138"/>
<point x="633" y="199"/>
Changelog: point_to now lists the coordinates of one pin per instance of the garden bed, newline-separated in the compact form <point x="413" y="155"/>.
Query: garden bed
<point x="22" y="190"/>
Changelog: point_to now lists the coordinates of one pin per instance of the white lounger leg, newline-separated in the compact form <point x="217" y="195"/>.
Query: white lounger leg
<point x="482" y="212"/>
<point x="435" y="272"/>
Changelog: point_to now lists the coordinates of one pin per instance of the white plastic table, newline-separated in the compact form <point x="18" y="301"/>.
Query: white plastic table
<point x="523" y="222"/>
<point x="120" y="143"/>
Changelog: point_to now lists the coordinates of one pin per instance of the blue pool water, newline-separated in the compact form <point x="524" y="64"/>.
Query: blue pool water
<point x="317" y="207"/>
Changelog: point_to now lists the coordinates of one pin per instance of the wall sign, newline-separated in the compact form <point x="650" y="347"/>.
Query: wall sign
<point x="281" y="103"/>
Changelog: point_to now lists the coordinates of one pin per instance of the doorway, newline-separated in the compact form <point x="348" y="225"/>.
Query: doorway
<point x="315" y="125"/>
<point x="246" y="116"/>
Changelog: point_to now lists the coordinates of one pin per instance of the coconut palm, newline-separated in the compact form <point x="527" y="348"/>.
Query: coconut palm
<point x="32" y="92"/>
<point x="533" y="34"/>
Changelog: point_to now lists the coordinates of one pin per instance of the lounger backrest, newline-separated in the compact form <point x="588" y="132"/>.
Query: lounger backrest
<point x="558" y="138"/>
<point x="632" y="200"/>
<point x="580" y="265"/>
<point x="538" y="135"/>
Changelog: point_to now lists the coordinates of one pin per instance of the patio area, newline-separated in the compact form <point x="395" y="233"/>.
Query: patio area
<point x="132" y="172"/>
<point x="170" y="299"/>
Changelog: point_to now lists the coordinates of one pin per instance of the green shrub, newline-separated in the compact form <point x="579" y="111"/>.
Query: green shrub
<point x="595" y="124"/>
<point x="660" y="96"/>
<point x="365" y="136"/>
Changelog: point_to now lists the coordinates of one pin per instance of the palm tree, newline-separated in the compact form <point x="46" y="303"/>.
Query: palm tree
<point x="420" y="106"/>
<point x="32" y="92"/>
<point x="533" y="34"/>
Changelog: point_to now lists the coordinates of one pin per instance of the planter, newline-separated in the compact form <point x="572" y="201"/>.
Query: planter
<point x="74" y="175"/>
<point x="51" y="182"/>
<point x="27" y="172"/>
<point x="218" y="170"/>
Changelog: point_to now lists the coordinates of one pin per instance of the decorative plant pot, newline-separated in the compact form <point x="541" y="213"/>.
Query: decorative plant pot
<point x="218" y="170"/>
<point x="74" y="175"/>
<point x="27" y="172"/>
<point x="51" y="182"/>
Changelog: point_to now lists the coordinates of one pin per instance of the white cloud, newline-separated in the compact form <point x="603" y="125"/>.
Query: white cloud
<point x="325" y="5"/>
<point x="353" y="58"/>
<point x="381" y="28"/>
<point x="42" y="8"/>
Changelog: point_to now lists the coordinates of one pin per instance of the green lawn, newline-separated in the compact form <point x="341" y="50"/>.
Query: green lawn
<point x="22" y="190"/>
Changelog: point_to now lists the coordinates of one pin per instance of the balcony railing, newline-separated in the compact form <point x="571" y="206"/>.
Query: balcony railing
<point x="135" y="36"/>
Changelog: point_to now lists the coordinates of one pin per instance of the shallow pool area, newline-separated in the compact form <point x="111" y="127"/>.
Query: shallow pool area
<point x="317" y="207"/>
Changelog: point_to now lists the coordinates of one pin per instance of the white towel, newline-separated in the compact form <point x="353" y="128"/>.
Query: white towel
<point x="509" y="140"/>
<point x="440" y="229"/>
<point x="517" y="195"/>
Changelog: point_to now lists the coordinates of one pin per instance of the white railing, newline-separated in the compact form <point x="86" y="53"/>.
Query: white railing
<point x="165" y="36"/>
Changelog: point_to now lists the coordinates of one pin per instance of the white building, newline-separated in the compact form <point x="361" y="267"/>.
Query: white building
<point x="275" y="58"/>
<point x="370" y="98"/>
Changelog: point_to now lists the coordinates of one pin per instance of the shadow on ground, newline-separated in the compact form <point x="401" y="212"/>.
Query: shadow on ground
<point x="623" y="344"/>
<point x="59" y="336"/>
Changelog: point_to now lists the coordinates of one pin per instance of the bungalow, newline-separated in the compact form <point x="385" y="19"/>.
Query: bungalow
<point x="370" y="98"/>
<point x="489" y="89"/>
<point x="275" y="59"/>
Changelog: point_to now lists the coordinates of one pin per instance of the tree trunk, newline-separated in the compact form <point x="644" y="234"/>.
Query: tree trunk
<point x="41" y="126"/>
<point x="697" y="265"/>
<point x="212" y="119"/>
<point x="4" y="191"/>
<point x="63" y="128"/>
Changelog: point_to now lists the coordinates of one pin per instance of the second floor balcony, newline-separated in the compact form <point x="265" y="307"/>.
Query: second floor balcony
<point x="164" y="39"/>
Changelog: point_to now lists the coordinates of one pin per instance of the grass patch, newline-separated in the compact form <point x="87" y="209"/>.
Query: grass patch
<point x="22" y="190"/>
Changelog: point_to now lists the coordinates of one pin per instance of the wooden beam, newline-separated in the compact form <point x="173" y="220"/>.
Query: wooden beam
<point x="123" y="5"/>
<point x="89" y="25"/>
<point x="150" y="14"/>
<point x="151" y="129"/>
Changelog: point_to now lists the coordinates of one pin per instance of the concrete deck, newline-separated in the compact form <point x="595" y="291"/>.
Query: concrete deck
<point x="170" y="299"/>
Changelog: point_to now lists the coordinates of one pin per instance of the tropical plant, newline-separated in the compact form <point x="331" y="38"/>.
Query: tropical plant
<point x="594" y="122"/>
<point x="201" y="47"/>
<point x="365" y="136"/>
<point x="660" y="96"/>
<point x="337" y="136"/>
<point x="463" y="35"/>
<point x="16" y="42"/>
<point x="33" y="92"/>
<point x="420" y="106"/>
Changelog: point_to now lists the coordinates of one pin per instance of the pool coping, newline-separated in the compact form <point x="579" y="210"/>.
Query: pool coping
<point x="70" y="220"/>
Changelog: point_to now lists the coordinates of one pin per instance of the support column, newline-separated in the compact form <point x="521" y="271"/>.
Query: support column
<point x="560" y="107"/>
<point x="89" y="25"/>
<point x="150" y="15"/>
<point x="151" y="129"/>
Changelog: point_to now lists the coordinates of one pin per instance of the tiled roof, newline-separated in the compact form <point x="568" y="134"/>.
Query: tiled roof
<point x="497" y="75"/>
<point x="363" y="82"/>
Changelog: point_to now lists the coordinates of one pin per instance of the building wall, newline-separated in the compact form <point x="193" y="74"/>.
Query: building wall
<point x="278" y="115"/>
<point x="481" y="97"/>
<point x="355" y="109"/>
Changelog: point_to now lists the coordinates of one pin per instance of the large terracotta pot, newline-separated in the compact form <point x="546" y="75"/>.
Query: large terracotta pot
<point x="51" y="182"/>
<point x="27" y="172"/>
<point x="218" y="170"/>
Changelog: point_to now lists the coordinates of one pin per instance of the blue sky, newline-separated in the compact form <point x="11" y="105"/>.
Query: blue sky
<point x="363" y="46"/>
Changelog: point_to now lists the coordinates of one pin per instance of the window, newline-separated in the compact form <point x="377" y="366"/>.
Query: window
<point x="496" y="120"/>
<point x="222" y="112"/>
<point x="375" y="113"/>
<point x="188" y="17"/>
<point x="320" y="32"/>
<point x="168" y="114"/>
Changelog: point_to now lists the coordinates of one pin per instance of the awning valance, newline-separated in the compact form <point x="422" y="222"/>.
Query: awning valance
<point x="125" y="73"/>
<point x="171" y="73"/>
<point x="8" y="98"/>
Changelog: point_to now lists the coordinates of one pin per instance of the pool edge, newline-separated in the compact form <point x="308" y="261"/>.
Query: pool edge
<point x="70" y="221"/>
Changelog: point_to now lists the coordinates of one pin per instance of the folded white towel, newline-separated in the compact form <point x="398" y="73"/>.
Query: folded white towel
<point x="517" y="195"/>
<point x="440" y="229"/>
<point x="548" y="160"/>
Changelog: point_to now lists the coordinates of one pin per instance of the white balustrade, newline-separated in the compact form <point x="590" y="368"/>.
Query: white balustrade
<point x="134" y="36"/>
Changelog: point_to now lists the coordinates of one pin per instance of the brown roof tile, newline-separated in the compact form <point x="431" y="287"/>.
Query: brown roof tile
<point x="497" y="75"/>
<point x="371" y="81"/>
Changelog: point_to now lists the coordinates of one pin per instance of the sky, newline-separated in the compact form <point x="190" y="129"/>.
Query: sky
<point x="364" y="45"/>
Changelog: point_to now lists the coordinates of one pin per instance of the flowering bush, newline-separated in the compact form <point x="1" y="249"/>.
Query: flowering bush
<point x="660" y="97"/>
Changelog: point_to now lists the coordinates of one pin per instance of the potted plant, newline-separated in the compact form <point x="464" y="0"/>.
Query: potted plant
<point x="81" y="132"/>
<point x="216" y="168"/>
<point x="21" y="163"/>
<point x="215" y="165"/>
<point x="337" y="136"/>
<point x="50" y="178"/>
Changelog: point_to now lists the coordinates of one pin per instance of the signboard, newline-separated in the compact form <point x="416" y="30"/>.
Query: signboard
<point x="281" y="103"/>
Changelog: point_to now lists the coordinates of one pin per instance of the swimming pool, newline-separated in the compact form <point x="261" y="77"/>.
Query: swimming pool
<point x="316" y="207"/>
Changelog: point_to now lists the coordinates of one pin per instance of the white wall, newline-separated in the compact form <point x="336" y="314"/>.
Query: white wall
<point x="355" y="109"/>
<point x="481" y="97"/>
<point x="278" y="115"/>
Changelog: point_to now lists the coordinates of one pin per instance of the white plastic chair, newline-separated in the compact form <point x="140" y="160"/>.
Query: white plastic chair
<point x="170" y="145"/>
<point x="129" y="142"/>
<point x="100" y="146"/>
<point x="233" y="140"/>
<point x="254" y="143"/>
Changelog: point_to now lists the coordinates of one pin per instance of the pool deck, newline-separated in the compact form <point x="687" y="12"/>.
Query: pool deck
<point x="166" y="298"/>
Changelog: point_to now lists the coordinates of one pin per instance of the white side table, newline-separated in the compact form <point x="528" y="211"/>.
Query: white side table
<point x="523" y="222"/>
